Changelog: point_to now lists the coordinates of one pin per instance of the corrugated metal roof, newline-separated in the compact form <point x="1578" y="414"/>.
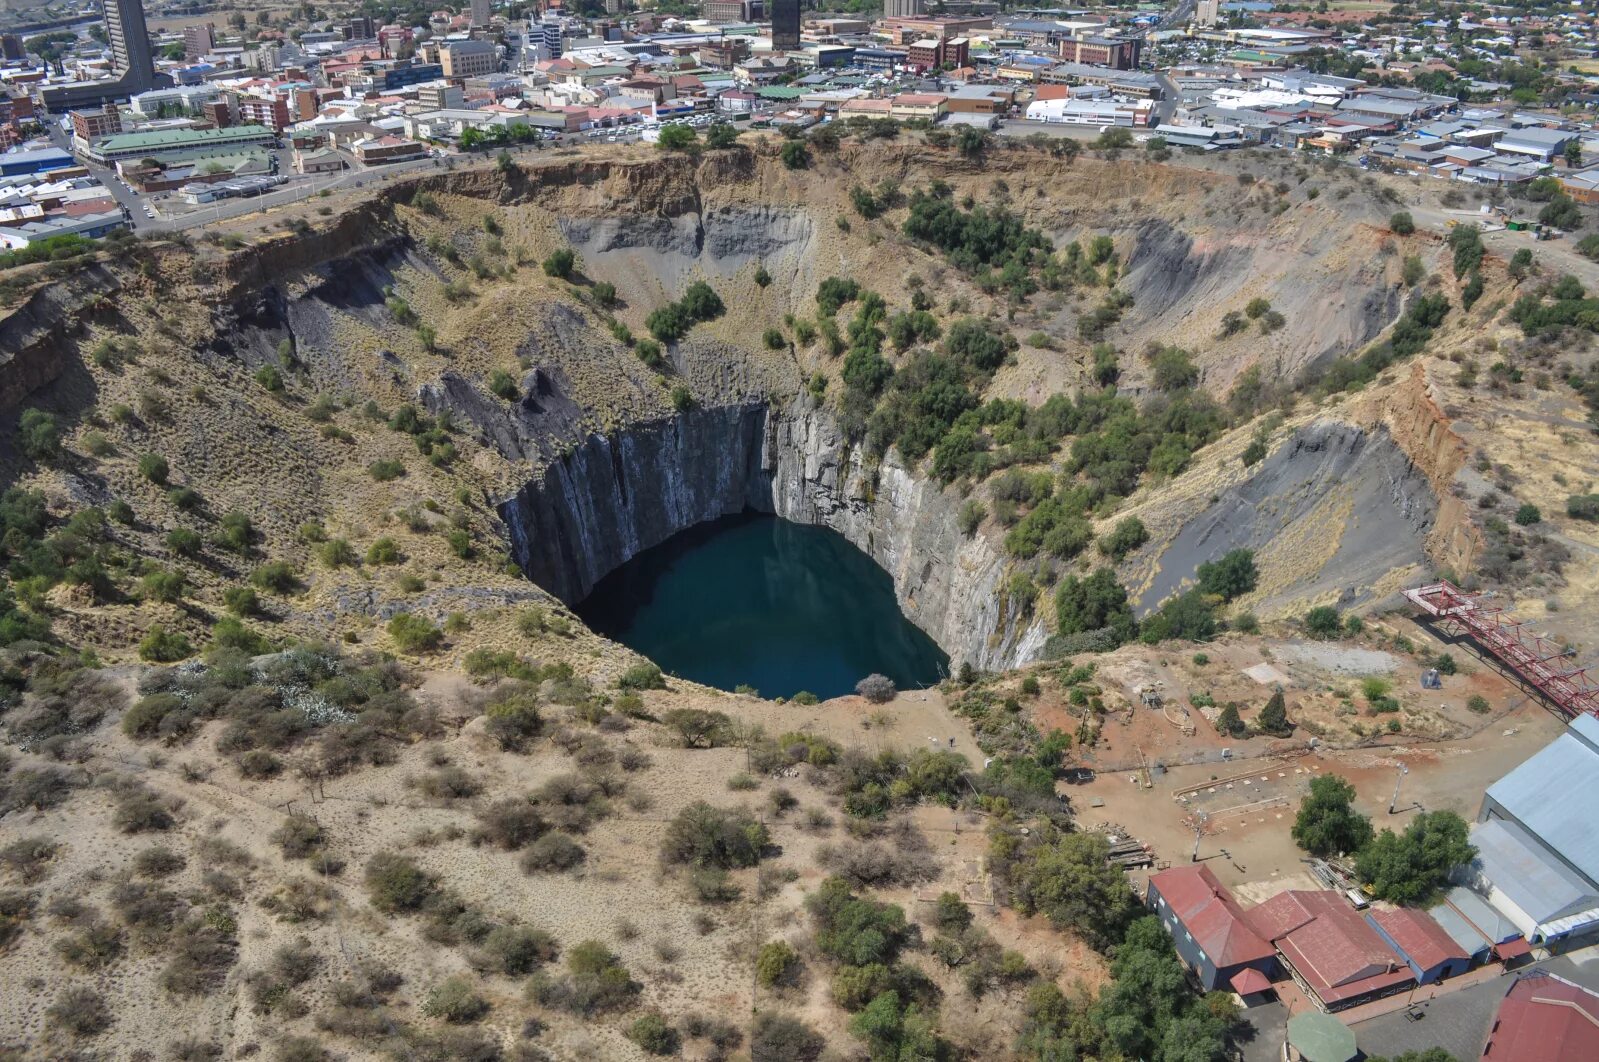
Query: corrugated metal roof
<point x="1554" y="796"/>
<point x="1495" y="926"/>
<point x="1460" y="930"/>
<point x="1513" y="861"/>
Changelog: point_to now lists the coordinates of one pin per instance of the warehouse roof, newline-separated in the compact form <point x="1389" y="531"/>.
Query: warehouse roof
<point x="1421" y="940"/>
<point x="1551" y="796"/>
<point x="172" y="138"/>
<point x="1337" y="953"/>
<point x="1518" y="867"/>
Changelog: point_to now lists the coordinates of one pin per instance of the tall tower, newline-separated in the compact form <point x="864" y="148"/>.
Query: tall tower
<point x="480" y="14"/>
<point x="785" y="25"/>
<point x="130" y="43"/>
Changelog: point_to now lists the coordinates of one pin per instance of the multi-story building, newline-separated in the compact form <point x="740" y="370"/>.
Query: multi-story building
<point x="89" y="125"/>
<point x="469" y="58"/>
<point x="1118" y="53"/>
<point x="785" y="25"/>
<point x="11" y="48"/>
<point x="440" y="97"/>
<point x="218" y="113"/>
<point x="1207" y="13"/>
<point x="734" y="10"/>
<point x="550" y="29"/>
<point x="199" y="41"/>
<point x="480" y="14"/>
<point x="903" y="8"/>
<point x="130" y="44"/>
<point x="360" y="28"/>
<point x="271" y="112"/>
<point x="938" y="52"/>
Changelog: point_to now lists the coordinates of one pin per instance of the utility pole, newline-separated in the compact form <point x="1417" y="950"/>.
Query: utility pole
<point x="1403" y="770"/>
<point x="1199" y="831"/>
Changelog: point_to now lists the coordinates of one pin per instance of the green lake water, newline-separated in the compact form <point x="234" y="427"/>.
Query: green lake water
<point x="757" y="601"/>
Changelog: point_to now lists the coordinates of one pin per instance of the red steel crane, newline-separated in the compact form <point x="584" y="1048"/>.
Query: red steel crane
<point x="1541" y="663"/>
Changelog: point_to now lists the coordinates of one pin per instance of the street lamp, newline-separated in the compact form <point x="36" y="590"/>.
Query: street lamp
<point x="1403" y="770"/>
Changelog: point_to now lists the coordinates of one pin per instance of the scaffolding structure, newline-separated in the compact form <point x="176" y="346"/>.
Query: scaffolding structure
<point x="1543" y="664"/>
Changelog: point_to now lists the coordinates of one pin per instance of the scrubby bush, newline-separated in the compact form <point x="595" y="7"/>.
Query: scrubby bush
<point x="878" y="689"/>
<point x="510" y="823"/>
<point x="162" y="646"/>
<point x="596" y="981"/>
<point x="79" y="1011"/>
<point x="551" y="853"/>
<point x="519" y="950"/>
<point x="653" y="1035"/>
<point x="642" y="676"/>
<point x="396" y="884"/>
<point x="454" y="1000"/>
<point x="705" y="836"/>
<point x="512" y="716"/>
<point x="779" y="1038"/>
<point x="776" y="963"/>
<point x="299" y="837"/>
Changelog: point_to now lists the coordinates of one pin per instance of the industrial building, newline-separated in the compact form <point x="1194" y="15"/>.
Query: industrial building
<point x="1537" y="851"/>
<point x="785" y="25"/>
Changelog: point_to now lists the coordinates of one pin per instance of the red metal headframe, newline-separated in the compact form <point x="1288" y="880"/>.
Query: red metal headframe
<point x="1534" y="658"/>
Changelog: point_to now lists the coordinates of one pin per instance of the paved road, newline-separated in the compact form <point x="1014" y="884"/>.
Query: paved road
<point x="1459" y="1021"/>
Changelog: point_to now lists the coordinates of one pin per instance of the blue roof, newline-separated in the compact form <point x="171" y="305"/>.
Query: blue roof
<point x="1554" y="795"/>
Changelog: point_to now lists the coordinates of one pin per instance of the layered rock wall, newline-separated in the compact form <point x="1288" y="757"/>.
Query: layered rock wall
<point x="614" y="496"/>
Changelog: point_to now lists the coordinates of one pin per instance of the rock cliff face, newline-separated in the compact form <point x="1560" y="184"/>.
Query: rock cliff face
<point x="613" y="496"/>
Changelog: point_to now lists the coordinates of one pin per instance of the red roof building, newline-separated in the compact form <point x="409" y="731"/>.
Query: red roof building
<point x="1330" y="949"/>
<point x="1431" y="953"/>
<point x="1210" y="930"/>
<point x="1544" y="1018"/>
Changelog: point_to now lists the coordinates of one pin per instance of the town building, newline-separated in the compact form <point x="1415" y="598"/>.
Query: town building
<point x="742" y="11"/>
<point x="1116" y="53"/>
<point x="462" y="59"/>
<point x="130" y="43"/>
<point x="1427" y="949"/>
<point x="1333" y="954"/>
<point x="933" y="52"/>
<point x="382" y="150"/>
<point x="903" y="8"/>
<point x="480" y="14"/>
<point x="785" y="25"/>
<point x="1211" y="933"/>
<point x="272" y="112"/>
<point x="198" y="41"/>
<point x="177" y="143"/>
<point x="91" y="125"/>
<point x="1544" y="1018"/>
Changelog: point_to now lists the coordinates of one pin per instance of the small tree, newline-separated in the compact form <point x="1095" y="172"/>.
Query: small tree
<point x="1230" y="723"/>
<point x="1273" y="718"/>
<point x="795" y="155"/>
<point x="879" y="689"/>
<point x="1323" y="621"/>
<point x="1327" y="823"/>
<point x="561" y="263"/>
<point x="1232" y="576"/>
<point x="1528" y="514"/>
<point x="676" y="138"/>
<point x="37" y="435"/>
<point x="1406" y="868"/>
<point x="1402" y="224"/>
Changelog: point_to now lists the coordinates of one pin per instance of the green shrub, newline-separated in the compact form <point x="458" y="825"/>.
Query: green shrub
<point x="1323" y="621"/>
<point x="642" y="676"/>
<point x="653" y="1035"/>
<point x="279" y="577"/>
<point x="162" y="646"/>
<point x="1402" y="224"/>
<point x="396" y="884"/>
<point x="383" y="551"/>
<point x="154" y="468"/>
<point x="413" y="634"/>
<point x="386" y="469"/>
<point x="705" y="836"/>
<point x="269" y="378"/>
<point x="38" y="437"/>
<point x="455" y="1001"/>
<point x="776" y="963"/>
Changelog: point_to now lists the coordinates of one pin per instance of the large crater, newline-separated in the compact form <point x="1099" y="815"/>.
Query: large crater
<point x="612" y="496"/>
